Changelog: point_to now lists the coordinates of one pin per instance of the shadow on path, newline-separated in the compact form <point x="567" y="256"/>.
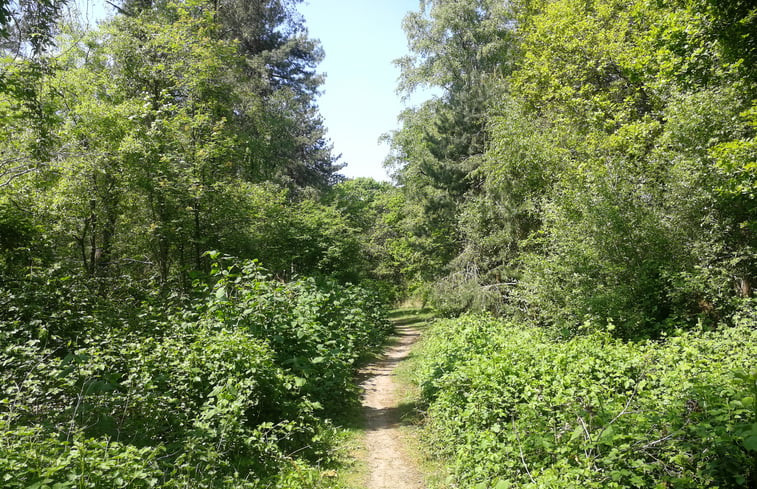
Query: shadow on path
<point x="383" y="415"/>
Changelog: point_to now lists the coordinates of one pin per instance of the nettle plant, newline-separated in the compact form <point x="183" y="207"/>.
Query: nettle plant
<point x="513" y="407"/>
<point x="234" y="389"/>
<point x="319" y="330"/>
<point x="746" y="431"/>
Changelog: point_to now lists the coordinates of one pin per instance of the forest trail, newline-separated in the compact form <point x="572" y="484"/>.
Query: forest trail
<point x="387" y="460"/>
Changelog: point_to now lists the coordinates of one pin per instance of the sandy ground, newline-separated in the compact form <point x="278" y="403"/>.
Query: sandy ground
<point x="389" y="465"/>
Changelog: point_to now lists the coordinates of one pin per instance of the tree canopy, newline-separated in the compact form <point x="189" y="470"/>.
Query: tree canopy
<point x="582" y="158"/>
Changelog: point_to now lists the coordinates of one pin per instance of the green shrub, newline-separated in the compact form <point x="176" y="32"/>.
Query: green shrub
<point x="318" y="331"/>
<point x="234" y="390"/>
<point x="32" y="458"/>
<point x="511" y="407"/>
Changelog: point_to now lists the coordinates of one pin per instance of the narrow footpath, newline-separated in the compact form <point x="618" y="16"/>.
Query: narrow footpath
<point x="389" y="465"/>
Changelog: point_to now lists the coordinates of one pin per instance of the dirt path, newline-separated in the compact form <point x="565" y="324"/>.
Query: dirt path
<point x="389" y="465"/>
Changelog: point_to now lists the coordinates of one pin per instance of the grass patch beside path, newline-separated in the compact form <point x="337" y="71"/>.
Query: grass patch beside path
<point x="413" y="416"/>
<point x="410" y="317"/>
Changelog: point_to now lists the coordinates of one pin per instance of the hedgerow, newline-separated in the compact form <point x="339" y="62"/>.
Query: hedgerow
<point x="510" y="406"/>
<point x="235" y="388"/>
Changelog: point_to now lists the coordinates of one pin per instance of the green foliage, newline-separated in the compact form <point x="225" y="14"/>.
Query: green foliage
<point x="374" y="210"/>
<point x="233" y="390"/>
<point x="587" y="161"/>
<point x="300" y="238"/>
<point x="459" y="48"/>
<point x="319" y="332"/>
<point x="624" y="236"/>
<point x="34" y="459"/>
<point x="128" y="356"/>
<point x="510" y="406"/>
<point x="456" y="43"/>
<point x="22" y="245"/>
<point x="140" y="144"/>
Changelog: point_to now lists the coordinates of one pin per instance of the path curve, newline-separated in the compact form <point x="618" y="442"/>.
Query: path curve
<point x="388" y="463"/>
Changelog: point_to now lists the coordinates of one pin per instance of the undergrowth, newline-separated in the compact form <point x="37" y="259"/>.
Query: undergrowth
<point x="511" y="406"/>
<point x="237" y="388"/>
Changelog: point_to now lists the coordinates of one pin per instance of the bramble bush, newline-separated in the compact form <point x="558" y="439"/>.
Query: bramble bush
<point x="318" y="331"/>
<point x="234" y="389"/>
<point x="511" y="406"/>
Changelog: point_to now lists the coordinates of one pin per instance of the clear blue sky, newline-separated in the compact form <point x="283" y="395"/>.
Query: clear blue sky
<point x="361" y="38"/>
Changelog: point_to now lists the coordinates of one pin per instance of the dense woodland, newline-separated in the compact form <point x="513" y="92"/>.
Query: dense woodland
<point x="187" y="283"/>
<point x="587" y="178"/>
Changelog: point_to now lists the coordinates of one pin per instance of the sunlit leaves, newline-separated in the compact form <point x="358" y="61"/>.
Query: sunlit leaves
<point x="522" y="407"/>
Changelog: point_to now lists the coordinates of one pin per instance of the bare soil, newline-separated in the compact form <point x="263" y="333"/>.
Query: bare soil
<point x="389" y="465"/>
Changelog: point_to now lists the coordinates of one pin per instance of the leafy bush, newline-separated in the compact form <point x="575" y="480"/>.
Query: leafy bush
<point x="234" y="390"/>
<point x="317" y="331"/>
<point x="511" y="407"/>
<point x="33" y="459"/>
